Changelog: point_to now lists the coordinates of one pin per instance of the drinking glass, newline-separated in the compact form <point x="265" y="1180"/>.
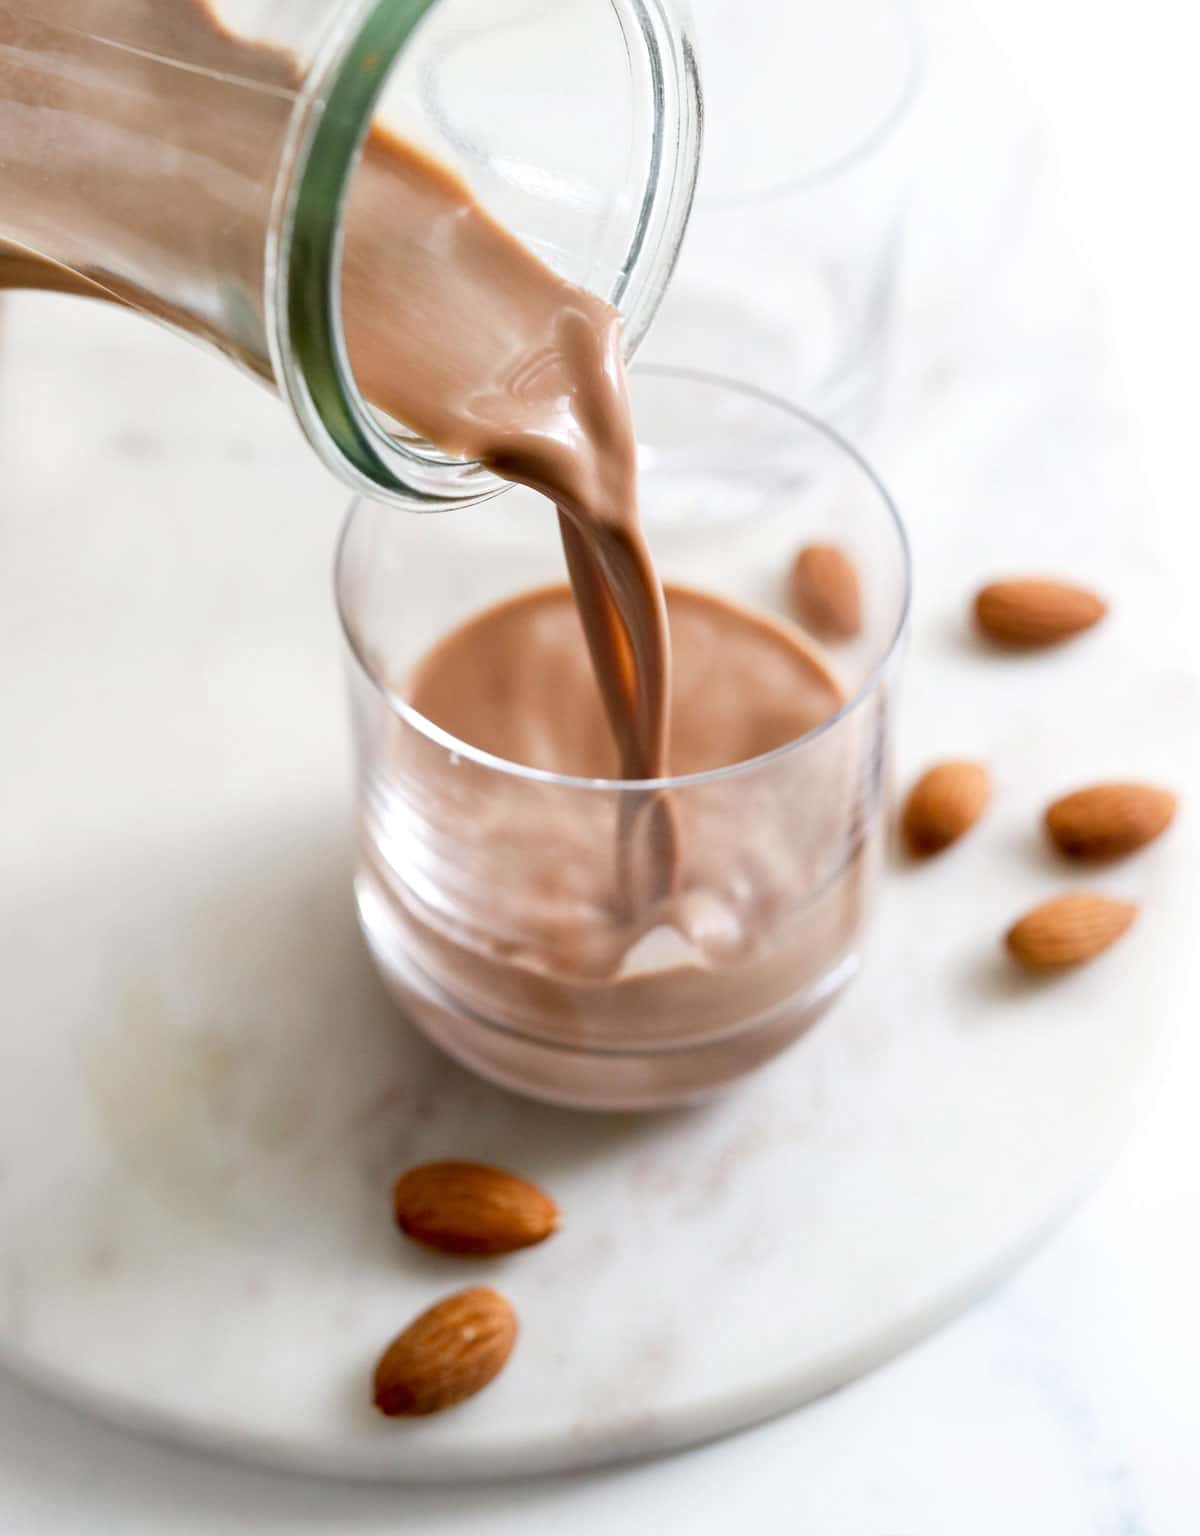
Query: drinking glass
<point x="792" y="254"/>
<point x="471" y="871"/>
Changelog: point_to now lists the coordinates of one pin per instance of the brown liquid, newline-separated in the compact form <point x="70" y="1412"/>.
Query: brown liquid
<point x="517" y="682"/>
<point x="491" y="901"/>
<point x="509" y="364"/>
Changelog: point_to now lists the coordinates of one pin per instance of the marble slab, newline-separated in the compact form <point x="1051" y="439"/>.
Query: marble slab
<point x="205" y="1091"/>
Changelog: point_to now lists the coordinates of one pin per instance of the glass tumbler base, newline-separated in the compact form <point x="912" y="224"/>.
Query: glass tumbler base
<point x="572" y="1074"/>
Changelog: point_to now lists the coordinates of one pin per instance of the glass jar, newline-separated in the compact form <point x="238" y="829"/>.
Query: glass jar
<point x="194" y="163"/>
<point x="789" y="275"/>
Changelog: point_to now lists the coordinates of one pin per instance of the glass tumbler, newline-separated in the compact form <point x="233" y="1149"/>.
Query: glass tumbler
<point x="476" y="877"/>
<point x="792" y="253"/>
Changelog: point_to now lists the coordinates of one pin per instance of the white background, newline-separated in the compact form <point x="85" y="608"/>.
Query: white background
<point x="1066" y="1403"/>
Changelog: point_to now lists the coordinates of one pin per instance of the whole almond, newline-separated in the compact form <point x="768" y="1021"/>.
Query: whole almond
<point x="945" y="802"/>
<point x="825" y="592"/>
<point x="1069" y="930"/>
<point x="1107" y="821"/>
<point x="471" y="1208"/>
<point x="1035" y="612"/>
<point x="446" y="1355"/>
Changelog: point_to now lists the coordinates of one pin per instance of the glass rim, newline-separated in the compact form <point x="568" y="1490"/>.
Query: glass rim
<point x="305" y="333"/>
<point x="864" y="145"/>
<point x="509" y="769"/>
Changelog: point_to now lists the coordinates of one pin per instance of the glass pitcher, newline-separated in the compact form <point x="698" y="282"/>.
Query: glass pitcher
<point x="193" y="161"/>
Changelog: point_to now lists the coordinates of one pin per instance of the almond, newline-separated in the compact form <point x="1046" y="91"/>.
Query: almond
<point x="1035" y="612"/>
<point x="825" y="592"/>
<point x="945" y="802"/>
<point x="471" y="1208"/>
<point x="447" y="1354"/>
<point x="1106" y="821"/>
<point x="1069" y="930"/>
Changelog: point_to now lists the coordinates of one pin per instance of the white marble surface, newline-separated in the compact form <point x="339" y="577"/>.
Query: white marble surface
<point x="1061" y="1405"/>
<point x="214" y="1092"/>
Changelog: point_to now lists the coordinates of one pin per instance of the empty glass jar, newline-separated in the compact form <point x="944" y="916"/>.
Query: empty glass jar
<point x="788" y="274"/>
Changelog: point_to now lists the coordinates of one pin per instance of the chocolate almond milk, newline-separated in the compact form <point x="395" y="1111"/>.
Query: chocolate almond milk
<point x="495" y="903"/>
<point x="509" y="364"/>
